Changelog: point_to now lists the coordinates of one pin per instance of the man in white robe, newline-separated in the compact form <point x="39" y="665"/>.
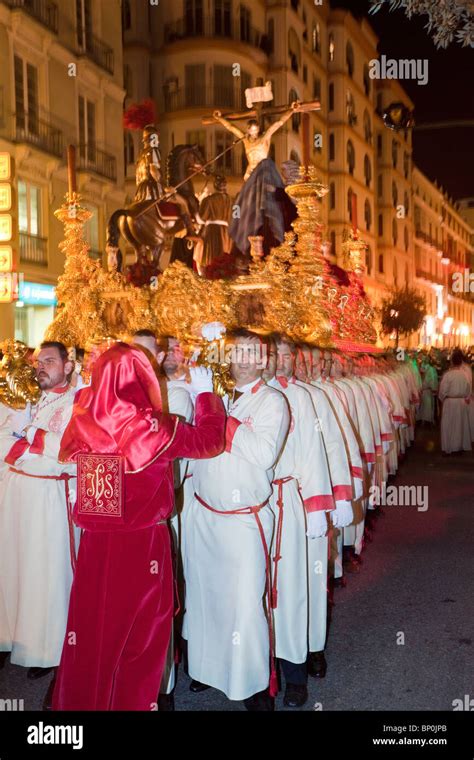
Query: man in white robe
<point x="454" y="393"/>
<point x="37" y="537"/>
<point x="302" y="494"/>
<point x="429" y="377"/>
<point x="229" y="527"/>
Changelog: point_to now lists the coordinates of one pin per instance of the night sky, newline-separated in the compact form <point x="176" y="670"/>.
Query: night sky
<point x="448" y="154"/>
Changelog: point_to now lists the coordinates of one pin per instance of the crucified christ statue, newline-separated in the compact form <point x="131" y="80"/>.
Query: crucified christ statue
<point x="263" y="206"/>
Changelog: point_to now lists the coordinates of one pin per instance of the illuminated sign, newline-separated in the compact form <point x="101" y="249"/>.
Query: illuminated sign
<point x="5" y="166"/>
<point x="37" y="294"/>
<point x="6" y="226"/>
<point x="6" y="258"/>
<point x="8" y="287"/>
<point x="5" y="196"/>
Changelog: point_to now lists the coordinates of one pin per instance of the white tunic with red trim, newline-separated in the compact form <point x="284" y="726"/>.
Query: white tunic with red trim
<point x="35" y="558"/>
<point x="224" y="560"/>
<point x="454" y="392"/>
<point x="303" y="481"/>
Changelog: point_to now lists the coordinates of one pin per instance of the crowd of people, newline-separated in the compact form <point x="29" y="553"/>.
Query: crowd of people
<point x="146" y="522"/>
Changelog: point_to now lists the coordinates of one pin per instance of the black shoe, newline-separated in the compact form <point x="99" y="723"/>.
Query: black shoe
<point x="197" y="686"/>
<point x="260" y="702"/>
<point x="35" y="673"/>
<point x="48" y="700"/>
<point x="3" y="658"/>
<point x="317" y="664"/>
<point x="165" y="702"/>
<point x="295" y="695"/>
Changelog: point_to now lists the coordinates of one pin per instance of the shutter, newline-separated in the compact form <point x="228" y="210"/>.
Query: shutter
<point x="32" y="88"/>
<point x="223" y="86"/>
<point x="195" y="84"/>
<point x="19" y="94"/>
<point x="90" y="131"/>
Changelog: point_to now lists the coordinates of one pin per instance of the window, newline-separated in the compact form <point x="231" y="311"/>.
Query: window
<point x="332" y="195"/>
<point x="129" y="150"/>
<point x="224" y="140"/>
<point x="194" y="17"/>
<point x="29" y="208"/>
<point x="381" y="263"/>
<point x="406" y="238"/>
<point x="350" y="59"/>
<point x="222" y="18"/>
<point x="394" y="231"/>
<point x="380" y="186"/>
<point x="349" y="202"/>
<point x="195" y="84"/>
<point x="223" y="86"/>
<point x="127" y="81"/>
<point x="26" y="96"/>
<point x="394" y="153"/>
<point x="294" y="50"/>
<point x="126" y="15"/>
<point x="296" y="118"/>
<point x="350" y="157"/>
<point x="316" y="38"/>
<point x="84" y="23"/>
<point x="350" y="109"/>
<point x="406" y="164"/>
<point x="316" y="88"/>
<point x="394" y="194"/>
<point x="406" y="203"/>
<point x="245" y="26"/>
<point x="395" y="273"/>
<point x="367" y="127"/>
<point x="331" y="97"/>
<point x="332" y="147"/>
<point x="87" y="133"/>
<point x="367" y="170"/>
<point x="331" y="47"/>
<point x="379" y="146"/>
<point x="380" y="225"/>
<point x="366" y="79"/>
<point x="368" y="259"/>
<point x="367" y="215"/>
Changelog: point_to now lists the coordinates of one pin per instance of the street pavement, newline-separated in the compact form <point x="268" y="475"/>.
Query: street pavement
<point x="401" y="633"/>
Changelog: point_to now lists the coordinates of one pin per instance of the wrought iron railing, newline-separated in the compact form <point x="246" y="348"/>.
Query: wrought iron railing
<point x="217" y="26"/>
<point x="33" y="249"/>
<point x="98" y="51"/>
<point x="200" y="96"/>
<point x="29" y="128"/>
<point x="95" y="160"/>
<point x="44" y="11"/>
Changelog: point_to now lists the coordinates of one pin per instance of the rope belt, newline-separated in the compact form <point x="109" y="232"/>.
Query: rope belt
<point x="273" y="687"/>
<point x="277" y="556"/>
<point x="65" y="477"/>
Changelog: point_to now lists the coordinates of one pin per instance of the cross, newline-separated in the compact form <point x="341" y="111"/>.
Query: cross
<point x="258" y="111"/>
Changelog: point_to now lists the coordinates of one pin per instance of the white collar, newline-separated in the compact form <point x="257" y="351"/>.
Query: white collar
<point x="248" y="386"/>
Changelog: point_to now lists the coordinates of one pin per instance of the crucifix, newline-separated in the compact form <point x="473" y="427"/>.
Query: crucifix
<point x="257" y="146"/>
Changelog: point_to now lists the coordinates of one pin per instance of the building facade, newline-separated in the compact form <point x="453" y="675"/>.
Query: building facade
<point x="60" y="84"/>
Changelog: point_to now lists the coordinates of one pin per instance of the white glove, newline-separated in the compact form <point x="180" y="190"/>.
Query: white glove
<point x="342" y="515"/>
<point x="201" y="380"/>
<point x="358" y="488"/>
<point x="30" y="433"/>
<point x="317" y="524"/>
<point x="212" y="330"/>
<point x="19" y="419"/>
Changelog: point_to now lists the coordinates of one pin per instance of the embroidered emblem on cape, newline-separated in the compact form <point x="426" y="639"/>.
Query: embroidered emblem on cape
<point x="56" y="421"/>
<point x="100" y="485"/>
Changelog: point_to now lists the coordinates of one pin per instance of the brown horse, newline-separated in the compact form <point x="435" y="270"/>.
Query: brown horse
<point x="145" y="224"/>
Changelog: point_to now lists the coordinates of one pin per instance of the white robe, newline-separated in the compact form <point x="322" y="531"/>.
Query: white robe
<point x="454" y="392"/>
<point x="425" y="412"/>
<point x="224" y="559"/>
<point x="304" y="460"/>
<point x="35" y="560"/>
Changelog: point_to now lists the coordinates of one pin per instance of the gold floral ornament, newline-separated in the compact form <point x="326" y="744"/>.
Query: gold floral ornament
<point x="354" y="250"/>
<point x="18" y="383"/>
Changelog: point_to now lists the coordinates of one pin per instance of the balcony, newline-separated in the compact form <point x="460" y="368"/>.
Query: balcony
<point x="217" y="27"/>
<point x="38" y="132"/>
<point x="92" y="159"/>
<point x="428" y="276"/>
<point x="427" y="239"/>
<point x="33" y="250"/>
<point x="202" y="97"/>
<point x="44" y="11"/>
<point x="95" y="49"/>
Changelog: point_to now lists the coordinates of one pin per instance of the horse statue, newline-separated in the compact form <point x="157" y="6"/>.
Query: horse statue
<point x="147" y="225"/>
